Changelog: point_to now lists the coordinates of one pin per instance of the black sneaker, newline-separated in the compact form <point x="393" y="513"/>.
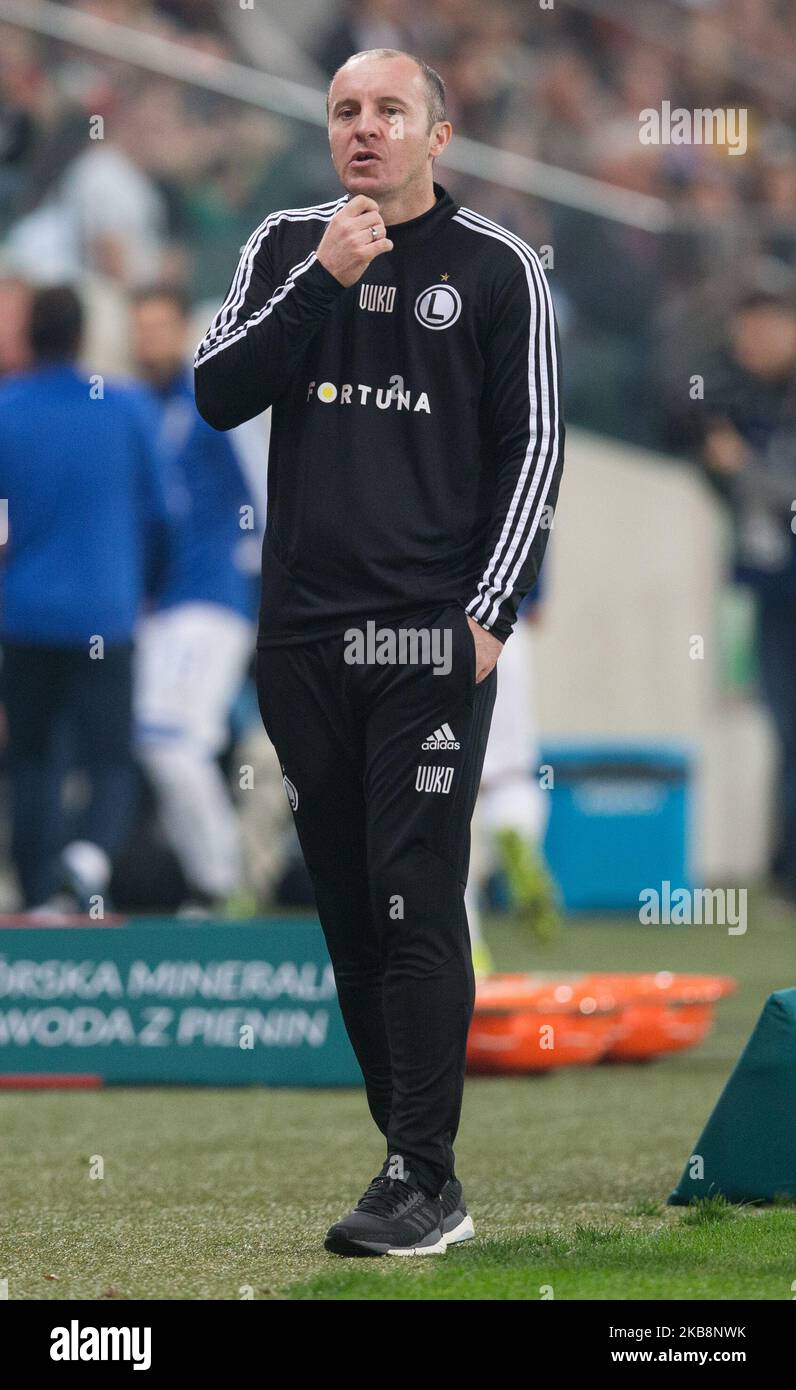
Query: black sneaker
<point x="457" y="1224"/>
<point x="393" y="1217"/>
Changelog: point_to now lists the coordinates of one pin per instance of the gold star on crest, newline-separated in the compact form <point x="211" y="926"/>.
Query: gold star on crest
<point x="445" y="276"/>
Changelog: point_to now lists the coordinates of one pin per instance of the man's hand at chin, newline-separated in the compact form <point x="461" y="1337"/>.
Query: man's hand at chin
<point x="487" y="649"/>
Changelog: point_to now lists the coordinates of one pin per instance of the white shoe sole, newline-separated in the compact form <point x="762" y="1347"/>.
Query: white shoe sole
<point x="438" y="1248"/>
<point x="464" y="1231"/>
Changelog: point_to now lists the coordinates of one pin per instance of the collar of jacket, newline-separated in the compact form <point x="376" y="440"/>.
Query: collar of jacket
<point x="419" y="229"/>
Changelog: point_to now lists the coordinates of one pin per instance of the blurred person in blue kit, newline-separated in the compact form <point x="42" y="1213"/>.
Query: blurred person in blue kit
<point x="193" y="649"/>
<point x="749" y="449"/>
<point x="88" y="529"/>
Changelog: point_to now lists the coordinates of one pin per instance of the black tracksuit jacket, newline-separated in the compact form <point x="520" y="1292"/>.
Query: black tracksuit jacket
<point x="416" y="435"/>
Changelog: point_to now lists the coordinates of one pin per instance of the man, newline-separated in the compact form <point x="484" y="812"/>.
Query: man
<point x="409" y="349"/>
<point x="749" y="449"/>
<point x="87" y="529"/>
<point x="204" y="604"/>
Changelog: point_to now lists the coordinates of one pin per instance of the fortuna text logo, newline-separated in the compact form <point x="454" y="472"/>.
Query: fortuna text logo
<point x="76" y="1343"/>
<point x="385" y="398"/>
<point x="443" y="737"/>
<point x="434" y="779"/>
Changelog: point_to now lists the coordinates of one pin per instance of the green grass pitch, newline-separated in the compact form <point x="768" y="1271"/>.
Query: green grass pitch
<point x="227" y="1194"/>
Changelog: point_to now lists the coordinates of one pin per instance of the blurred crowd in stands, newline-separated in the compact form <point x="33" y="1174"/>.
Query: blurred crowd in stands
<point x="182" y="174"/>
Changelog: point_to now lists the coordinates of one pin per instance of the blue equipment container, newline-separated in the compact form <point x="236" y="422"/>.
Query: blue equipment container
<point x="619" y="821"/>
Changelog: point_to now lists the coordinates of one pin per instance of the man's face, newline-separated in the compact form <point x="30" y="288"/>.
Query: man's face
<point x="379" y="105"/>
<point x="764" y="341"/>
<point x="159" y="338"/>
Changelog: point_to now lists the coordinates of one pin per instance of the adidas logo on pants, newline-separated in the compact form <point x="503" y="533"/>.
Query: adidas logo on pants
<point x="443" y="737"/>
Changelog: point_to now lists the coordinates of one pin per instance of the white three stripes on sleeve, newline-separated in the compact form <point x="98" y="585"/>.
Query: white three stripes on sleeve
<point x="225" y="328"/>
<point x="538" y="468"/>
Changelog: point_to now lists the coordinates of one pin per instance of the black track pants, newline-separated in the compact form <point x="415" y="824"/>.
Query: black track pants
<point x="383" y="808"/>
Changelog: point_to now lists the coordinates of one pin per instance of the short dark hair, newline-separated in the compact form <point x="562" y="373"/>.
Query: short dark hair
<point x="174" y="294"/>
<point x="56" y="324"/>
<point x="435" y="87"/>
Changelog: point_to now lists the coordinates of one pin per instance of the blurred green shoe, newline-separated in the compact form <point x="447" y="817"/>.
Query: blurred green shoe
<point x="240" y="907"/>
<point x="483" y="963"/>
<point x="533" y="895"/>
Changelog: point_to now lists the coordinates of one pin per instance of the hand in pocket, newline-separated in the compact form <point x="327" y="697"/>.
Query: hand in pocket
<point x="487" y="649"/>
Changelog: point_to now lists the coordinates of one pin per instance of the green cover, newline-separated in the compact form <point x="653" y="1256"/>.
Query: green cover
<point x="748" y="1145"/>
<point x="158" y="1002"/>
